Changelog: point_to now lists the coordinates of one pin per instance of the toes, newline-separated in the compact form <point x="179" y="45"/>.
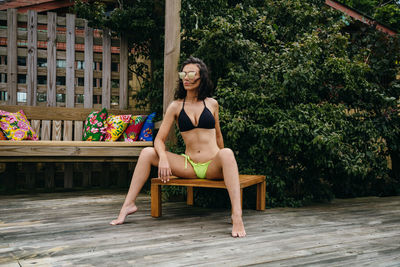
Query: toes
<point x="238" y="234"/>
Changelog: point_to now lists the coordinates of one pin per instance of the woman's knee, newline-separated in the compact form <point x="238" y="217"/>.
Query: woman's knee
<point x="226" y="154"/>
<point x="148" y="153"/>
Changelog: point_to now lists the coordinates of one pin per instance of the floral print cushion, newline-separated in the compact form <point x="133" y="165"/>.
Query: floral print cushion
<point x="146" y="134"/>
<point x="116" y="125"/>
<point x="95" y="126"/>
<point x="16" y="126"/>
<point x="133" y="130"/>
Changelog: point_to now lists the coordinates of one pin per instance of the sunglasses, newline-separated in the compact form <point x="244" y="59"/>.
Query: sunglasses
<point x="190" y="75"/>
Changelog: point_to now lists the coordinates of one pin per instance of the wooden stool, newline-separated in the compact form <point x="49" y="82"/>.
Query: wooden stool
<point x="245" y="181"/>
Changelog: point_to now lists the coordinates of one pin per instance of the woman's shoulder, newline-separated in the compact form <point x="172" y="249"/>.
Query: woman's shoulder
<point x="211" y="101"/>
<point x="175" y="106"/>
<point x="176" y="103"/>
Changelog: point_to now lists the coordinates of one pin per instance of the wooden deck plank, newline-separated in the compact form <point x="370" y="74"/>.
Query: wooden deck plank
<point x="70" y="229"/>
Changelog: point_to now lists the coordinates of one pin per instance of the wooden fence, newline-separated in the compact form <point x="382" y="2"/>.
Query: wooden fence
<point x="54" y="61"/>
<point x="49" y="60"/>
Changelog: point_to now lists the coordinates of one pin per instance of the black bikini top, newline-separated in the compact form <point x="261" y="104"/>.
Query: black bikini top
<point x="206" y="119"/>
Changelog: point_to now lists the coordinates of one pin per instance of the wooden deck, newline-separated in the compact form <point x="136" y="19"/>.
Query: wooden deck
<point x="71" y="229"/>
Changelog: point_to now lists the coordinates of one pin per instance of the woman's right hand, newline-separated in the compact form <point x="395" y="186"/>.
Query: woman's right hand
<point x="164" y="170"/>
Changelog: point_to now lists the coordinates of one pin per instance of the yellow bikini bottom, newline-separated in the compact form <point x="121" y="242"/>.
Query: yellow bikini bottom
<point x="200" y="169"/>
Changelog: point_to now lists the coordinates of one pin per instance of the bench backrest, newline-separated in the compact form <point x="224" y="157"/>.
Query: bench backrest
<point x="59" y="123"/>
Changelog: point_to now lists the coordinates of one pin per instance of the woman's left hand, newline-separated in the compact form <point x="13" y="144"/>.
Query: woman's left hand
<point x="164" y="170"/>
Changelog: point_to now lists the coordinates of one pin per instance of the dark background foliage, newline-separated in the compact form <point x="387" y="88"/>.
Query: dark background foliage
<point x="307" y="97"/>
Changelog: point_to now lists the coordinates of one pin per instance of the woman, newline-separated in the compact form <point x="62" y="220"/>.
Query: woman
<point x="196" y="115"/>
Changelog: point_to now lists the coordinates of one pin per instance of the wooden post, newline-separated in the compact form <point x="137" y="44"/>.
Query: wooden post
<point x="156" y="208"/>
<point x="171" y="50"/>
<point x="70" y="71"/>
<point x="261" y="190"/>
<point x="171" y="54"/>
<point x="12" y="71"/>
<point x="123" y="73"/>
<point x="189" y="197"/>
<point x="31" y="77"/>
<point x="106" y="77"/>
<point x="51" y="59"/>
<point x="88" y="91"/>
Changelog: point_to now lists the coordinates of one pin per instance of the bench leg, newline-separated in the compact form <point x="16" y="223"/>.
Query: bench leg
<point x="156" y="201"/>
<point x="261" y="188"/>
<point x="189" y="199"/>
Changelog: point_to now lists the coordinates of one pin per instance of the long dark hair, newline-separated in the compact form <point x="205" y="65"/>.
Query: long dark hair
<point x="206" y="85"/>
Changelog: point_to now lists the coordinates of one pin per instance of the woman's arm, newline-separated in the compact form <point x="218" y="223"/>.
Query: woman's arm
<point x="164" y="170"/>
<point x="220" y="139"/>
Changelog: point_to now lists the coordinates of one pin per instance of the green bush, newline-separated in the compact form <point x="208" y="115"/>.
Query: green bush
<point x="307" y="97"/>
<point x="302" y="100"/>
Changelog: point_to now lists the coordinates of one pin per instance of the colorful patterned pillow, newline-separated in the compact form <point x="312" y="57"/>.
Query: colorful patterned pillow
<point x="116" y="125"/>
<point x="16" y="126"/>
<point x="2" y="136"/>
<point x="133" y="130"/>
<point x="95" y="126"/>
<point x="146" y="134"/>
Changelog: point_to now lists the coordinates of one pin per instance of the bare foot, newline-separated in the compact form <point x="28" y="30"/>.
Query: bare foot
<point x="125" y="211"/>
<point x="238" y="227"/>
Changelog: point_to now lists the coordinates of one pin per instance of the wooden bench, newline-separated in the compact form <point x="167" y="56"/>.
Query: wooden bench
<point x="60" y="140"/>
<point x="245" y="181"/>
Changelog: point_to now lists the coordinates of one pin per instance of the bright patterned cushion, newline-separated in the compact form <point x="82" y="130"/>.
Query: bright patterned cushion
<point x="95" y="126"/>
<point x="116" y="125"/>
<point x="146" y="134"/>
<point x="133" y="130"/>
<point x="16" y="126"/>
<point x="2" y="136"/>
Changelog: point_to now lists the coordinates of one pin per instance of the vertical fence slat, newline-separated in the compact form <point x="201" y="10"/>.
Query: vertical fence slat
<point x="12" y="74"/>
<point x="31" y="77"/>
<point x="56" y="136"/>
<point x="123" y="73"/>
<point x="78" y="129"/>
<point x="70" y="71"/>
<point x="88" y="90"/>
<point x="106" y="77"/>
<point x="46" y="125"/>
<point x="51" y="59"/>
<point x="67" y="136"/>
<point x="36" y="126"/>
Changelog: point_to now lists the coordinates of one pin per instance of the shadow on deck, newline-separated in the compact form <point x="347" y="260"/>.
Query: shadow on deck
<point x="71" y="229"/>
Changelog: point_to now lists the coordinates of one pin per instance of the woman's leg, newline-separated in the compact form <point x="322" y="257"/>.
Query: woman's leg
<point x="224" y="165"/>
<point x="148" y="157"/>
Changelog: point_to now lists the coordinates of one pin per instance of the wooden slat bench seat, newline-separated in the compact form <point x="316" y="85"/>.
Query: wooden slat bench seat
<point x="60" y="132"/>
<point x="245" y="181"/>
<point x="70" y="151"/>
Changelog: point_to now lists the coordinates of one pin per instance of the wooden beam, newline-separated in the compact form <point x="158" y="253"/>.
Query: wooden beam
<point x="51" y="59"/>
<point x="106" y="77"/>
<point x="88" y="81"/>
<point x="123" y="70"/>
<point x="358" y="16"/>
<point x="12" y="56"/>
<point x="70" y="70"/>
<point x="32" y="58"/>
<point x="171" y="50"/>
